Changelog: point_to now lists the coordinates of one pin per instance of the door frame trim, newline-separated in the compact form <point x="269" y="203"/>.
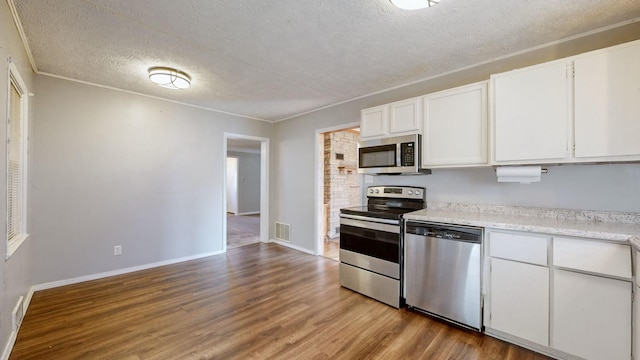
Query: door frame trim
<point x="319" y="182"/>
<point x="264" y="186"/>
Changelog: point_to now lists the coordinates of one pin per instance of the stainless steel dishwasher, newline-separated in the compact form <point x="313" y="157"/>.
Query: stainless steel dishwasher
<point x="442" y="271"/>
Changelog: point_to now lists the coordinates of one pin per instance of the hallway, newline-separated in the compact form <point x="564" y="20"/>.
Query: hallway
<point x="242" y="230"/>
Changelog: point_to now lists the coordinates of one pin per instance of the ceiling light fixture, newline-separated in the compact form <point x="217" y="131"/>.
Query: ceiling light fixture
<point x="414" y="4"/>
<point x="169" y="77"/>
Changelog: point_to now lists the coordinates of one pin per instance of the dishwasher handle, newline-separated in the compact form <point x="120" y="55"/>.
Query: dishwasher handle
<point x="454" y="233"/>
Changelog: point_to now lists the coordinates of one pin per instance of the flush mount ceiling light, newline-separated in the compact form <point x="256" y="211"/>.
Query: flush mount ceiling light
<point x="414" y="4"/>
<point x="169" y="78"/>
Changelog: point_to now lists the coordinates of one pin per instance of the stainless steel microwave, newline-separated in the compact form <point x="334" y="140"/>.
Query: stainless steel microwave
<point x="391" y="156"/>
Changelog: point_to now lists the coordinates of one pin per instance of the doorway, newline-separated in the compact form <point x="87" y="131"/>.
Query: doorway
<point x="338" y="184"/>
<point x="246" y="191"/>
<point x="232" y="185"/>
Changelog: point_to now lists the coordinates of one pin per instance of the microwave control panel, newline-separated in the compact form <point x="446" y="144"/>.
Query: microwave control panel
<point x="407" y="153"/>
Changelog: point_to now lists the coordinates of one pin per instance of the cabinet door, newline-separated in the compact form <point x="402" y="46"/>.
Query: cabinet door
<point x="404" y="116"/>
<point x="455" y="127"/>
<point x="607" y="102"/>
<point x="374" y="121"/>
<point x="591" y="316"/>
<point x="636" y="308"/>
<point x="519" y="302"/>
<point x="636" y="322"/>
<point x="532" y="114"/>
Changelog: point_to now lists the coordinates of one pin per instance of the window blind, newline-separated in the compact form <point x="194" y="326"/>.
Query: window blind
<point x="14" y="164"/>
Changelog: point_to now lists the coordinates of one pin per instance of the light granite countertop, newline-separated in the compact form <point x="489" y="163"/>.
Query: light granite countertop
<point x="611" y="226"/>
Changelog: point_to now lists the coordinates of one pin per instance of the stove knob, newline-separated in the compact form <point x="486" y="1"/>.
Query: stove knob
<point x="377" y="191"/>
<point x="417" y="192"/>
<point x="370" y="191"/>
<point x="410" y="192"/>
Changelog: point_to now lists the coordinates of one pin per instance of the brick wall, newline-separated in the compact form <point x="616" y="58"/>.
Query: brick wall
<point x="341" y="183"/>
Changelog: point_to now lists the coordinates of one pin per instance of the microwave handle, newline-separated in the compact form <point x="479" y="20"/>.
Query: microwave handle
<point x="398" y="154"/>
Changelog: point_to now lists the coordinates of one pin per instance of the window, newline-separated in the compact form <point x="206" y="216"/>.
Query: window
<point x="16" y="161"/>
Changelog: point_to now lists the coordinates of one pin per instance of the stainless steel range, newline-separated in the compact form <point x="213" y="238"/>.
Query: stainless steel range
<point x="371" y="242"/>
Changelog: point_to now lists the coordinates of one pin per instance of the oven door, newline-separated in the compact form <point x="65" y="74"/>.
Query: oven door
<point x="370" y="245"/>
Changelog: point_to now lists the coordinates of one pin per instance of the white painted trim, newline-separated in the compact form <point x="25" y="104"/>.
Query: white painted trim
<point x="539" y="47"/>
<point x="152" y="97"/>
<point x="234" y="210"/>
<point x="249" y="213"/>
<point x="570" y="38"/>
<point x="243" y="150"/>
<point x="264" y="190"/>
<point x="14" y="334"/>
<point x="14" y="77"/>
<point x="264" y="185"/>
<point x="291" y="246"/>
<point x="80" y="279"/>
<point x="23" y="36"/>
<point x="27" y="300"/>
<point x="14" y="245"/>
<point x="9" y="346"/>
<point x="319" y="182"/>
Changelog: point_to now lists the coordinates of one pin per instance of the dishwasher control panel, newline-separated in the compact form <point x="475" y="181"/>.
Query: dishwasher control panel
<point x="443" y="231"/>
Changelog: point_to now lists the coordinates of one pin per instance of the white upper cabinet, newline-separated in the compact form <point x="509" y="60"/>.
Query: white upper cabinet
<point x="532" y="114"/>
<point x="398" y="118"/>
<point x="607" y="103"/>
<point x="455" y="127"/>
<point x="374" y="121"/>
<point x="404" y="116"/>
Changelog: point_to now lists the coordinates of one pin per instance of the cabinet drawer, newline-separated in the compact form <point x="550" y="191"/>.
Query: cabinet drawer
<point x="519" y="247"/>
<point x="592" y="256"/>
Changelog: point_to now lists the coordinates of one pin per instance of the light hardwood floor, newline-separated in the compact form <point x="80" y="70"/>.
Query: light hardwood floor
<point x="260" y="301"/>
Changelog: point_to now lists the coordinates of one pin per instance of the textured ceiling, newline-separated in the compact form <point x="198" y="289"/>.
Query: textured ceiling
<point x="272" y="60"/>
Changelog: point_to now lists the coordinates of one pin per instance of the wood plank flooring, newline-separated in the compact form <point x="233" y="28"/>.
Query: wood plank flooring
<point x="261" y="301"/>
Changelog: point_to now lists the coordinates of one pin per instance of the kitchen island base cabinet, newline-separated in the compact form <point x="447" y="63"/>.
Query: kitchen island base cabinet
<point x="591" y="316"/>
<point x="520" y="300"/>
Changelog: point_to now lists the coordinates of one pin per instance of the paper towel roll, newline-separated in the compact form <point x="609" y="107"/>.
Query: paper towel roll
<point x="520" y="174"/>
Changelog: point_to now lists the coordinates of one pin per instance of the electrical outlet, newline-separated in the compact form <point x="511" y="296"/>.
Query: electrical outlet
<point x="117" y="250"/>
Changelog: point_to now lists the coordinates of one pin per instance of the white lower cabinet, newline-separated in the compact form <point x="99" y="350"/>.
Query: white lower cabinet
<point x="591" y="316"/>
<point x="520" y="300"/>
<point x="636" y="308"/>
<point x="572" y="299"/>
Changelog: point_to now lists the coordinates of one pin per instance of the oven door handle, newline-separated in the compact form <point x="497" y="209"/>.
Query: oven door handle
<point x="370" y="219"/>
<point x="367" y="223"/>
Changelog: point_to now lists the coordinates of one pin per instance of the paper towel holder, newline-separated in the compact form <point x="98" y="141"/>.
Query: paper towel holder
<point x="542" y="171"/>
<point x="523" y="174"/>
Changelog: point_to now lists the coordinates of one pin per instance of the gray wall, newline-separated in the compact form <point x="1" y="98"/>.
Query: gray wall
<point x="602" y="187"/>
<point x="16" y="271"/>
<point x="248" y="181"/>
<point x="613" y="187"/>
<point x="113" y="168"/>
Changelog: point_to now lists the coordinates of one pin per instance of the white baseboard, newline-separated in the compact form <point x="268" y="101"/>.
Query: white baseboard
<point x="80" y="279"/>
<point x="294" y="247"/>
<point x="7" y="349"/>
<point x="248" y="213"/>
<point x="14" y="334"/>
